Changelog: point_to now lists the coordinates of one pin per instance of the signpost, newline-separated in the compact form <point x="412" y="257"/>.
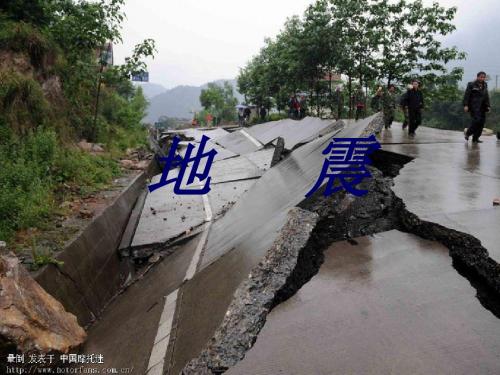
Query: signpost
<point x="141" y="77"/>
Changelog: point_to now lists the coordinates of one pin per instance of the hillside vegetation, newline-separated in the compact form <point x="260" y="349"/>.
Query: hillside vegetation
<point x="49" y="74"/>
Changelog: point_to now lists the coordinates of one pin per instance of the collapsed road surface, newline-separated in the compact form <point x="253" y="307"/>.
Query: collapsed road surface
<point x="241" y="281"/>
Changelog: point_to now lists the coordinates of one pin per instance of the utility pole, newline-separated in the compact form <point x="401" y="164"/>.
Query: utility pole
<point x="103" y="61"/>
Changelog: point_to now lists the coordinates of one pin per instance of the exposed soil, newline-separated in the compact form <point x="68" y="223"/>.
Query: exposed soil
<point x="340" y="217"/>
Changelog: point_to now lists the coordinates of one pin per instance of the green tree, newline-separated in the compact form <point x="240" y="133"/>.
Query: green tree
<point x="85" y="26"/>
<point x="219" y="101"/>
<point x="366" y="40"/>
<point x="409" y="34"/>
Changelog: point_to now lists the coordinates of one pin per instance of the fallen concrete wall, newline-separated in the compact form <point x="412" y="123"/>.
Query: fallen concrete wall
<point x="93" y="272"/>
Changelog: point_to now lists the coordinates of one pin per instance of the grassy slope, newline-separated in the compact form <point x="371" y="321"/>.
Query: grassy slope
<point x="40" y="166"/>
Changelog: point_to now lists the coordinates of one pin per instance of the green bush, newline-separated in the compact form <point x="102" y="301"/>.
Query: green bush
<point x="24" y="38"/>
<point x="22" y="101"/>
<point x="39" y="164"/>
<point x="277" y="116"/>
<point x="25" y="191"/>
<point x="31" y="169"/>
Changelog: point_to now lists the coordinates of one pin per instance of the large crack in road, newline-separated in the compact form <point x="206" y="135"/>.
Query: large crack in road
<point x="319" y="222"/>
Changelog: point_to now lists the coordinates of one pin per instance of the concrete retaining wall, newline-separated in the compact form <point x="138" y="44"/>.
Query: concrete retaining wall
<point x="93" y="272"/>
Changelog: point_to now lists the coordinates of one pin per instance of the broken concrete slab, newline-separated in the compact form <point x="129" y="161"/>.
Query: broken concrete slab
<point x="261" y="158"/>
<point x="234" y="169"/>
<point x="222" y="153"/>
<point x="278" y="190"/>
<point x="401" y="294"/>
<point x="483" y="160"/>
<point x="430" y="188"/>
<point x="31" y="320"/>
<point x="376" y="125"/>
<point x="126" y="334"/>
<point x="204" y="299"/>
<point x="293" y="132"/>
<point x="478" y="223"/>
<point x="395" y="135"/>
<point x="167" y="215"/>
<point x="255" y="297"/>
<point x="239" y="142"/>
<point x="279" y="150"/>
<point x="197" y="134"/>
<point x="223" y="196"/>
<point x="239" y="240"/>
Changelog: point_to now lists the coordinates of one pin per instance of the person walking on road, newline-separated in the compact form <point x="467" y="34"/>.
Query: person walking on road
<point x="414" y="102"/>
<point x="293" y="107"/>
<point x="404" y="108"/>
<point x="246" y="116"/>
<point x="477" y="103"/>
<point x="263" y="113"/>
<point x="338" y="102"/>
<point x="376" y="101"/>
<point x="359" y="100"/>
<point x="389" y="105"/>
<point x="302" y="106"/>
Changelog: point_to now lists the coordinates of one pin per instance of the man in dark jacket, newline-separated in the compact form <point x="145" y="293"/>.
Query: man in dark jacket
<point x="414" y="103"/>
<point x="477" y="103"/>
<point x="404" y="109"/>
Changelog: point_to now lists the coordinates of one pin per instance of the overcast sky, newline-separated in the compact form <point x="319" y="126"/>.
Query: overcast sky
<point x="199" y="41"/>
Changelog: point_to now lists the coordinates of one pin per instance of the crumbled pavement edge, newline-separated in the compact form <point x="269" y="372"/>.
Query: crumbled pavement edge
<point x="342" y="218"/>
<point x="255" y="297"/>
<point x="292" y="262"/>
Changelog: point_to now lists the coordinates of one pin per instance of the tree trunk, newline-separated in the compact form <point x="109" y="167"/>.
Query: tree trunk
<point x="350" y="96"/>
<point x="93" y="134"/>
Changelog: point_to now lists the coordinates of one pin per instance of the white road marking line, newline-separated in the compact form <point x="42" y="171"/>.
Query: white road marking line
<point x="162" y="339"/>
<point x="208" y="209"/>
<point x="156" y="359"/>
<point x="196" y="257"/>
<point x="252" y="139"/>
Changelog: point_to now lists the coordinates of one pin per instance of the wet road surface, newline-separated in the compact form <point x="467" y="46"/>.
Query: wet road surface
<point x="451" y="182"/>
<point x="383" y="274"/>
<point x="239" y="240"/>
<point x="126" y="332"/>
<point x="393" y="304"/>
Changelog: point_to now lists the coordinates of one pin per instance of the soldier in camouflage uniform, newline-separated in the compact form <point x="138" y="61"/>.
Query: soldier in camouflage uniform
<point x="389" y="105"/>
<point x="376" y="101"/>
<point x="359" y="102"/>
<point x="337" y="102"/>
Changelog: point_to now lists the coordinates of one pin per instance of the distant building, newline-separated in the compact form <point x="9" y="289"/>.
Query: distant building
<point x="332" y="76"/>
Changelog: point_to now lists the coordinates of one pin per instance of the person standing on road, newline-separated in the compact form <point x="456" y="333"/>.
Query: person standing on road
<point x="477" y="103"/>
<point x="302" y="106"/>
<point x="263" y="113"/>
<point x="293" y="105"/>
<point x="414" y="102"/>
<point x="338" y="102"/>
<point x="246" y="116"/>
<point x="389" y="105"/>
